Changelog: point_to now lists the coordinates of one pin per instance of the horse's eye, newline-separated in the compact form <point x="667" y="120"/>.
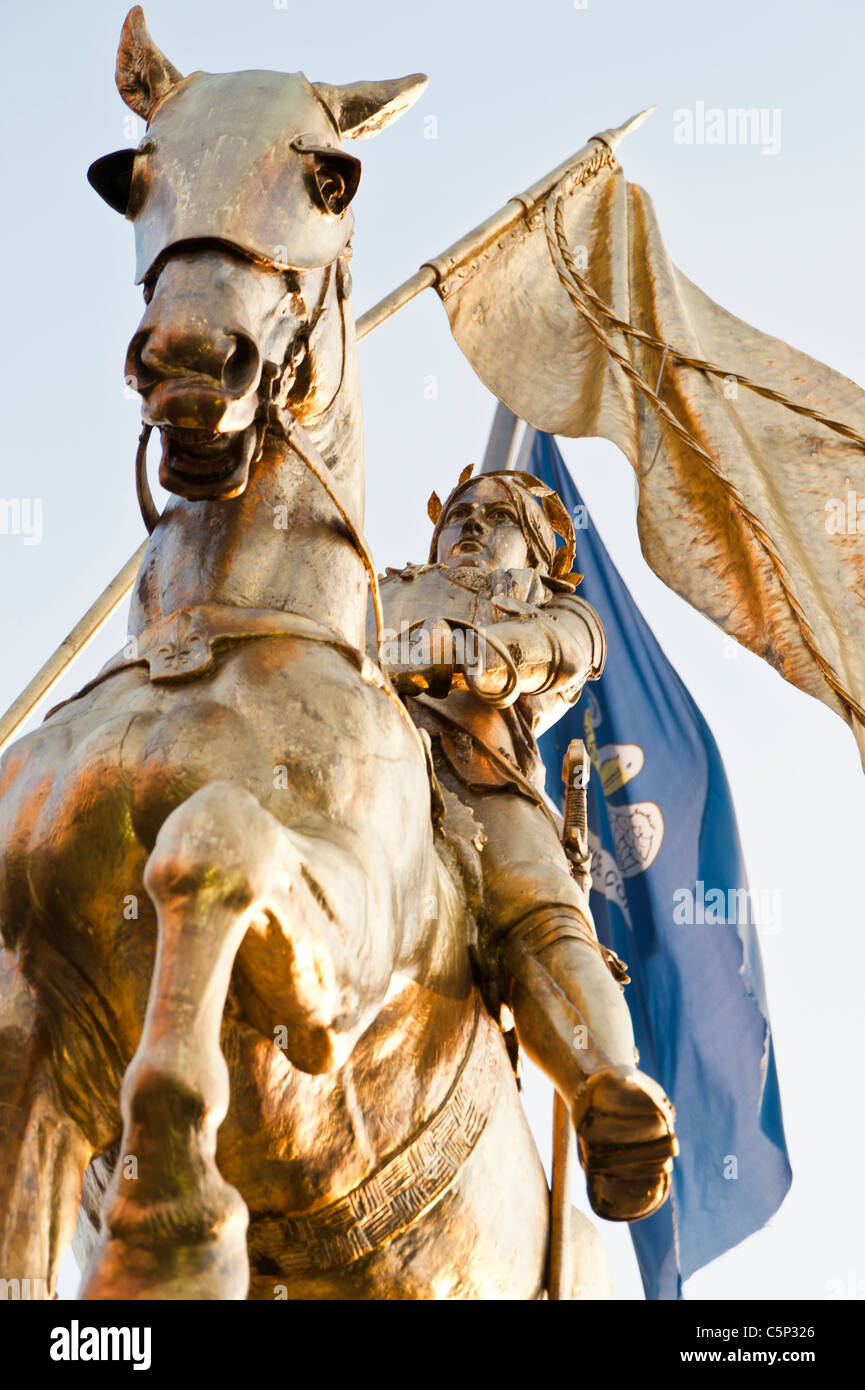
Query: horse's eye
<point x="332" y="189"/>
<point x="336" y="176"/>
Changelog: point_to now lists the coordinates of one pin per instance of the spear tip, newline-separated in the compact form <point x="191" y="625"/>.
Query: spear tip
<point x="614" y="137"/>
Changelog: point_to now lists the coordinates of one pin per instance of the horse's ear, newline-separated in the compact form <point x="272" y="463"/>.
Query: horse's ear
<point x="111" y="176"/>
<point x="365" y="108"/>
<point x="143" y="75"/>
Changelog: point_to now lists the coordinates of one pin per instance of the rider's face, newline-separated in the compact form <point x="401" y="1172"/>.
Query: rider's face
<point x="482" y="529"/>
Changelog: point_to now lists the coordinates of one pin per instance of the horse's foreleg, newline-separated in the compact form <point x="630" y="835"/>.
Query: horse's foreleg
<point x="221" y="867"/>
<point x="310" y="972"/>
<point x="43" y="1153"/>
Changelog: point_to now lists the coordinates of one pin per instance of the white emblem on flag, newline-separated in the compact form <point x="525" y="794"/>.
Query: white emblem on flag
<point x="607" y="877"/>
<point x="638" y="833"/>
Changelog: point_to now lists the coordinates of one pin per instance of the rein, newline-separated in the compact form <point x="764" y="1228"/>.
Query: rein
<point x="281" y="420"/>
<point x="298" y="439"/>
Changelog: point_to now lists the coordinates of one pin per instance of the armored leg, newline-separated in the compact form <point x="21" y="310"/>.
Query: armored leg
<point x="571" y="1018"/>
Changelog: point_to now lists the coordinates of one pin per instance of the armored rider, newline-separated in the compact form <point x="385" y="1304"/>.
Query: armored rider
<point x="509" y="645"/>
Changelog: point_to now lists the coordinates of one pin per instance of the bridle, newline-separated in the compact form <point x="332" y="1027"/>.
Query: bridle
<point x="284" y="424"/>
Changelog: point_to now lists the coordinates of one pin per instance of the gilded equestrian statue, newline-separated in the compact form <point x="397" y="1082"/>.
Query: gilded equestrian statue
<point x="240" y="1026"/>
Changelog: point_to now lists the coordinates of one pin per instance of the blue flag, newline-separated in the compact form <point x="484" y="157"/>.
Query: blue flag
<point x="670" y="896"/>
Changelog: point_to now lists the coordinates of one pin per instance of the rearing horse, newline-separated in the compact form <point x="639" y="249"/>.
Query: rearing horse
<point x="225" y="880"/>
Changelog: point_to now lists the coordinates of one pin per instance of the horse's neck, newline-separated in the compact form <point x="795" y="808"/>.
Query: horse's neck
<point x="281" y="544"/>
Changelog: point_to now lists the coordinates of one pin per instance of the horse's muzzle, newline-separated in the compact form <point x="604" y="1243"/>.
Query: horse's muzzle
<point x="200" y="464"/>
<point x="196" y="404"/>
<point x="209" y="437"/>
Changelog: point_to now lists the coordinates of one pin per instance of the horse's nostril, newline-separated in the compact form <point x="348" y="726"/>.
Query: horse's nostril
<point x="136" y="372"/>
<point x="242" y="366"/>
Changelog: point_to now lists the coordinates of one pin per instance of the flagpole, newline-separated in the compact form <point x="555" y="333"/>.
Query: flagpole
<point x="560" y="1277"/>
<point x="72" y="646"/>
<point x="422" y="279"/>
<point x="502" y="442"/>
<point x="431" y="273"/>
<point x="437" y="268"/>
<point x="500" y="456"/>
<point x="503" y="455"/>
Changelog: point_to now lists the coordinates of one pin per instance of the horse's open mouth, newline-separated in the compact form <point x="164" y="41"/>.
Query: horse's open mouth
<point x="199" y="464"/>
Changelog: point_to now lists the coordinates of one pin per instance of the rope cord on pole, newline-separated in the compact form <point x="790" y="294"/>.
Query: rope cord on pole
<point x="574" y="284"/>
<point x="711" y="368"/>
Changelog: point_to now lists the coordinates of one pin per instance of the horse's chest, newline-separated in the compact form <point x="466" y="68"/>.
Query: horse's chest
<point x="82" y="800"/>
<point x="83" y="807"/>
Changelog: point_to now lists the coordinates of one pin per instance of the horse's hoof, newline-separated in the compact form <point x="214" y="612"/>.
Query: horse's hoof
<point x="215" y="1269"/>
<point x="626" y="1141"/>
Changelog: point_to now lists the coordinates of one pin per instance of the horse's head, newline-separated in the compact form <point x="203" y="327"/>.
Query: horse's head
<point x="239" y="194"/>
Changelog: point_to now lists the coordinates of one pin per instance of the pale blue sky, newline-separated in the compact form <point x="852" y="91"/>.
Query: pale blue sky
<point x="514" y="88"/>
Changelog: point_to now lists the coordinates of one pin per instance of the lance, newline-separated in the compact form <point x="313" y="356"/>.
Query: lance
<point x="431" y="274"/>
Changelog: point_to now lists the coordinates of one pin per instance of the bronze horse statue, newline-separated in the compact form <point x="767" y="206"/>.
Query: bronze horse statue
<point x="237" y="1009"/>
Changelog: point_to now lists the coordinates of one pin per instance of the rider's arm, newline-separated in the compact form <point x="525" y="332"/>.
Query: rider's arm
<point x="557" y="649"/>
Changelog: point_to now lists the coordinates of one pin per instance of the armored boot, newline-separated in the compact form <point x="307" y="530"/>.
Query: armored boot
<point x="565" y="992"/>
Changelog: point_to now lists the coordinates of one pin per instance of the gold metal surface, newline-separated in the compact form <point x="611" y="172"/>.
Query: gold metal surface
<point x="560" y="1279"/>
<point x="439" y="270"/>
<point x="256" y="923"/>
<point x="497" y="571"/>
<point x="237" y="910"/>
<point x="744" y="448"/>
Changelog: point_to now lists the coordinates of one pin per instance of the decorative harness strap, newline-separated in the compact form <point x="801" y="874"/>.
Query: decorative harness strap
<point x="407" y="1184"/>
<point x="183" y="646"/>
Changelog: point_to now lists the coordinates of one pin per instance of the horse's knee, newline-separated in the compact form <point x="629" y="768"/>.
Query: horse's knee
<point x="218" y="846"/>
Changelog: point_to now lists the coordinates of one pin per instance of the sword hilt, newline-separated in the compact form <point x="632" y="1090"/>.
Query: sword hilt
<point x="576" y="770"/>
